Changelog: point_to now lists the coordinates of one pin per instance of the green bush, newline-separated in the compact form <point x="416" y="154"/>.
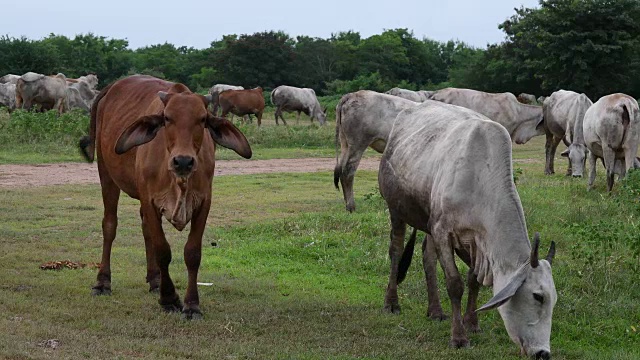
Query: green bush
<point x="27" y="127"/>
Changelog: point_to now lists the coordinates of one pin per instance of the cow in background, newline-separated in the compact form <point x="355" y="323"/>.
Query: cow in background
<point x="155" y="141"/>
<point x="522" y="121"/>
<point x="8" y="96"/>
<point x="527" y="99"/>
<point x="9" y="79"/>
<point x="363" y="119"/>
<point x="48" y="92"/>
<point x="289" y="98"/>
<point x="215" y="93"/>
<point x="563" y="116"/>
<point x="242" y="102"/>
<point x="417" y="96"/>
<point x="611" y="132"/>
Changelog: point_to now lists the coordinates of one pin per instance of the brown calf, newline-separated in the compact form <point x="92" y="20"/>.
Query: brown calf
<point x="242" y="102"/>
<point x="155" y="141"/>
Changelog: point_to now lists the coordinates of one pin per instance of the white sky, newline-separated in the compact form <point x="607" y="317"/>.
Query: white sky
<point x="197" y="23"/>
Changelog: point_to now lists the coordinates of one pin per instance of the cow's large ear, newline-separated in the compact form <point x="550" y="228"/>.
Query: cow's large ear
<point x="565" y="153"/>
<point x="140" y="132"/>
<point x="508" y="291"/>
<point x="226" y="134"/>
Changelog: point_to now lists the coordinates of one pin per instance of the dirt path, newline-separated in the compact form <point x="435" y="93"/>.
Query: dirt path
<point x="12" y="176"/>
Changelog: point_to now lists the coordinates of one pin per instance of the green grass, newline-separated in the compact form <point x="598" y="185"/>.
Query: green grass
<point x="32" y="138"/>
<point x="296" y="277"/>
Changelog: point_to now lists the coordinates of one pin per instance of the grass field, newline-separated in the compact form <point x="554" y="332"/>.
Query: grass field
<point x="296" y="277"/>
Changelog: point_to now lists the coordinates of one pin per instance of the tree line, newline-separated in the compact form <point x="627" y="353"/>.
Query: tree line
<point x="590" y="46"/>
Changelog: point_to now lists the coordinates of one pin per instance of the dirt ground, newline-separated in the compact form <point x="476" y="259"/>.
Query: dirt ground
<point x="13" y="176"/>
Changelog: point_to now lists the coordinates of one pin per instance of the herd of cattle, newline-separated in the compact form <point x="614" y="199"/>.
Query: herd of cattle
<point x="446" y="169"/>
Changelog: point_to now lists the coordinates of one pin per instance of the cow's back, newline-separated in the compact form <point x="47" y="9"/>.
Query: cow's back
<point x="243" y="101"/>
<point x="444" y="160"/>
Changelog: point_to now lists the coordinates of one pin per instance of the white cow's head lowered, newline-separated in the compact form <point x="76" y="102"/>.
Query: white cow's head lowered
<point x="526" y="304"/>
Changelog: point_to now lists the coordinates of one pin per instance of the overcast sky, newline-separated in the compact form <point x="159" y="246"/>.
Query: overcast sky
<point x="197" y="23"/>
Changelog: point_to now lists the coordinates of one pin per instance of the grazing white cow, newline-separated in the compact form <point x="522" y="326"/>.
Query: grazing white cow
<point x="447" y="171"/>
<point x="363" y="118"/>
<point x="417" y="96"/>
<point x="521" y="121"/>
<point x="289" y="98"/>
<point x="76" y="101"/>
<point x="85" y="91"/>
<point x="48" y="92"/>
<point x="611" y="130"/>
<point x="215" y="92"/>
<point x="9" y="79"/>
<point x="8" y="96"/>
<point x="563" y="115"/>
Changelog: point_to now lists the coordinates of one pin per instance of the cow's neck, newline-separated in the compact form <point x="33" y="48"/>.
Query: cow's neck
<point x="177" y="202"/>
<point x="529" y="112"/>
<point x="578" y="134"/>
<point x="505" y="247"/>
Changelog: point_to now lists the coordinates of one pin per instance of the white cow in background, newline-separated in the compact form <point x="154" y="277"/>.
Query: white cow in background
<point x="289" y="98"/>
<point x="8" y="96"/>
<point x="522" y="121"/>
<point x="611" y="132"/>
<point x="563" y="117"/>
<point x="417" y="96"/>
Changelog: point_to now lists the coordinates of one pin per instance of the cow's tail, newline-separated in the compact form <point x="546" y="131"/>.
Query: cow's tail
<point x="88" y="143"/>
<point x="271" y="96"/>
<point x="629" y="114"/>
<point x="337" y="171"/>
<point x="407" y="255"/>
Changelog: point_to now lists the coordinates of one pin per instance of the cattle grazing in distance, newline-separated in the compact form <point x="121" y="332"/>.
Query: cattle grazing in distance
<point x="447" y="171"/>
<point x="563" y="116"/>
<point x="527" y="99"/>
<point x="611" y="130"/>
<point x="76" y="101"/>
<point x="86" y="92"/>
<point x="48" y="92"/>
<point x="155" y="142"/>
<point x="289" y="99"/>
<point x="215" y="92"/>
<point x="242" y="102"/>
<point x="363" y="119"/>
<point x="8" y="96"/>
<point x="522" y="121"/>
<point x="541" y="99"/>
<point x="417" y="96"/>
<point x="9" y="79"/>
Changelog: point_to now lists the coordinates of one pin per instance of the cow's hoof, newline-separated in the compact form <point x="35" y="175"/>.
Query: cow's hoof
<point x="100" y="290"/>
<point x="171" y="306"/>
<point x="437" y="315"/>
<point x="392" y="308"/>
<point x="459" y="343"/>
<point x="191" y="314"/>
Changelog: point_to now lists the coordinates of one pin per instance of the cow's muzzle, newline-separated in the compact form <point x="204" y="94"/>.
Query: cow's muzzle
<point x="543" y="355"/>
<point x="183" y="165"/>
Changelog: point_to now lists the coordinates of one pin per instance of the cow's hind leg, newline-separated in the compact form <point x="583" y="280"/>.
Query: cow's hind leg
<point x="551" y="144"/>
<point x="349" y="161"/>
<point x="110" y="198"/>
<point x="192" y="256"/>
<point x="153" y="272"/>
<point x="609" y="157"/>
<point x="152" y="222"/>
<point x="396" y="248"/>
<point x="429" y="262"/>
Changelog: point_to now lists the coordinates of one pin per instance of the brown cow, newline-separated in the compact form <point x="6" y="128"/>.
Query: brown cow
<point x="155" y="141"/>
<point x="242" y="102"/>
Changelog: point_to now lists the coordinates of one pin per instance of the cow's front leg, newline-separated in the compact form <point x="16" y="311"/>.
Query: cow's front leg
<point x="152" y="222"/>
<point x="153" y="272"/>
<point x="192" y="256"/>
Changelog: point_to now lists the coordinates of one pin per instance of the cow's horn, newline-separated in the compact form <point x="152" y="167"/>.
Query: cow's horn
<point x="534" y="250"/>
<point x="552" y="252"/>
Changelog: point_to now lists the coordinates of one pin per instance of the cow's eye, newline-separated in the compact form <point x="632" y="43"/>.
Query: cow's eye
<point x="539" y="298"/>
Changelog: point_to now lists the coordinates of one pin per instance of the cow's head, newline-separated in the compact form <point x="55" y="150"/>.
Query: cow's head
<point x="526" y="304"/>
<point x="577" y="154"/>
<point x="322" y="115"/>
<point x="184" y="120"/>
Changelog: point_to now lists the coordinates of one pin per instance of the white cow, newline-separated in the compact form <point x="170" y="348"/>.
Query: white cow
<point x="9" y="79"/>
<point x="611" y="131"/>
<point x="289" y="98"/>
<point x="563" y="115"/>
<point x="447" y="171"/>
<point x="8" y="96"/>
<point x="521" y="121"/>
<point x="47" y="92"/>
<point x="363" y="118"/>
<point x="215" y="92"/>
<point x="417" y="96"/>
